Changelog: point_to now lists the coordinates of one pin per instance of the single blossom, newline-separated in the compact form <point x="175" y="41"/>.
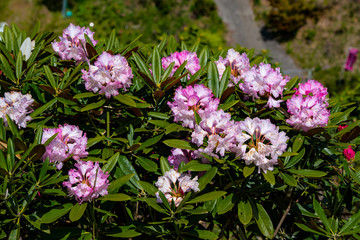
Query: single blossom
<point x="349" y="154"/>
<point x="175" y="185"/>
<point x="259" y="142"/>
<point x="17" y="106"/>
<point x="87" y="182"/>
<point x="197" y="98"/>
<point x="192" y="64"/>
<point x="308" y="107"/>
<point x="180" y="155"/>
<point x="69" y="142"/>
<point x="72" y="44"/>
<point x="264" y="81"/>
<point x="108" y="74"/>
<point x="239" y="65"/>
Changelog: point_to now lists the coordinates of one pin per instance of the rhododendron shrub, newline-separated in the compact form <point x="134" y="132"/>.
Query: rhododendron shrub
<point x="168" y="141"/>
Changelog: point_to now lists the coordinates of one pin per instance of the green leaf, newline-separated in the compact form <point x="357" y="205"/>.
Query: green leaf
<point x="225" y="80"/>
<point x="213" y="77"/>
<point x="111" y="41"/>
<point x="207" y="177"/>
<point x="164" y="165"/>
<point x="13" y="127"/>
<point x="245" y="212"/>
<point x="117" y="197"/>
<point x="147" y="164"/>
<point x="149" y="142"/>
<point x="123" y="232"/>
<point x="77" y="211"/>
<point x="85" y="95"/>
<point x="126" y="168"/>
<point x="152" y="203"/>
<point x="195" y="166"/>
<point x="93" y="106"/>
<point x="264" y="222"/>
<point x="298" y="142"/>
<point x="321" y="214"/>
<point x="269" y="177"/>
<point x="156" y="65"/>
<point x="294" y="160"/>
<point x="308" y="173"/>
<point x="207" y="197"/>
<point x="248" y="170"/>
<point x="202" y="234"/>
<point x="125" y="99"/>
<point x="288" y="179"/>
<point x="307" y="229"/>
<point x="110" y="164"/>
<point x="226" y="204"/>
<point x="290" y="84"/>
<point x="43" y="108"/>
<point x="226" y="106"/>
<point x="351" y="223"/>
<point x="7" y="69"/>
<point x="19" y="65"/>
<point x="177" y="143"/>
<point x="159" y="123"/>
<point x="143" y="66"/>
<point x="119" y="182"/>
<point x="151" y="189"/>
<point x="49" y="75"/>
<point x="56" y="213"/>
<point x="204" y="56"/>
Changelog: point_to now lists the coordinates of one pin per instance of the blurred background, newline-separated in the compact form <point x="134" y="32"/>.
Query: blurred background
<point x="310" y="38"/>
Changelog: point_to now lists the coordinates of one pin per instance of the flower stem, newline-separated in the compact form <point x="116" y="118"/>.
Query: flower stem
<point x="108" y="124"/>
<point x="94" y="229"/>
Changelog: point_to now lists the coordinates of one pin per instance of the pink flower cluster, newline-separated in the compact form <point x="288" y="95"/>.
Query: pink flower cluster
<point x="174" y="186"/>
<point x="308" y="106"/>
<point x="87" y="182"/>
<point x="72" y="43"/>
<point x="264" y="81"/>
<point x="197" y="98"/>
<point x="69" y="142"/>
<point x="180" y="155"/>
<point x="192" y="64"/>
<point x="17" y="106"/>
<point x="108" y="74"/>
<point x="239" y="65"/>
<point x="349" y="154"/>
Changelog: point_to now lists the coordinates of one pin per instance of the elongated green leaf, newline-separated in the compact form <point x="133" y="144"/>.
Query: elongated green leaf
<point x="307" y="229"/>
<point x="156" y="65"/>
<point x="152" y="203"/>
<point x="13" y="127"/>
<point x="245" y="212"/>
<point x="351" y="223"/>
<point x="123" y="232"/>
<point x="214" y="82"/>
<point x="226" y="204"/>
<point x="225" y="80"/>
<point x="85" y="95"/>
<point x="143" y="66"/>
<point x="19" y="65"/>
<point x="164" y="165"/>
<point x="151" y="189"/>
<point x="43" y="108"/>
<point x="204" y="56"/>
<point x="288" y="179"/>
<point x="177" y="143"/>
<point x="56" y="213"/>
<point x="226" y="106"/>
<point x="150" y="142"/>
<point x="269" y="176"/>
<point x="264" y="222"/>
<point x="111" y="163"/>
<point x="117" y="197"/>
<point x="321" y="214"/>
<point x="308" y="173"/>
<point x="207" y="197"/>
<point x="93" y="106"/>
<point x="49" y="75"/>
<point x="207" y="177"/>
<point x="126" y="168"/>
<point x="111" y="41"/>
<point x="7" y="69"/>
<point x="147" y="164"/>
<point x="294" y="160"/>
<point x="77" y="211"/>
<point x="195" y="166"/>
<point x="202" y="234"/>
<point x="298" y="142"/>
<point x="119" y="182"/>
<point x="248" y="170"/>
<point x="125" y="100"/>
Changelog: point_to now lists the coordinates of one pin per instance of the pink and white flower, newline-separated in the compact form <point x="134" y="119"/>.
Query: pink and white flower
<point x="175" y="185"/>
<point x="87" y="182"/>
<point x="192" y="64"/>
<point x="180" y="155"/>
<point x="197" y="98"/>
<point x="239" y="65"/>
<point x="264" y="81"/>
<point x="308" y="107"/>
<point x="108" y="74"/>
<point x="72" y="43"/>
<point x="69" y="142"/>
<point x="17" y="106"/>
<point x="259" y="142"/>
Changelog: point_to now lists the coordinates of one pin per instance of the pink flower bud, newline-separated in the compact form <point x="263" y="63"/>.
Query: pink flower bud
<point x="341" y="127"/>
<point x="349" y="153"/>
